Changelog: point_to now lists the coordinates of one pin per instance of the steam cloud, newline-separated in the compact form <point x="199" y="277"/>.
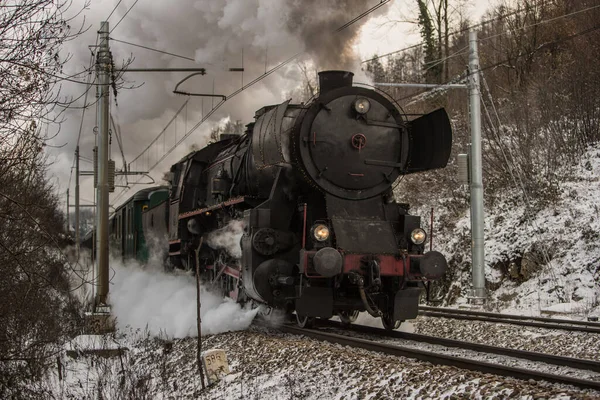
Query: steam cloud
<point x="165" y="304"/>
<point x="228" y="238"/>
<point x="145" y="297"/>
<point x="214" y="33"/>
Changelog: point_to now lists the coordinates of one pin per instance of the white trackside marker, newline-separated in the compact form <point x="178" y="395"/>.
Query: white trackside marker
<point x="215" y="365"/>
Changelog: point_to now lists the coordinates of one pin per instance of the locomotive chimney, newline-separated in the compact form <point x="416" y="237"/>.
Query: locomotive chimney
<point x="329" y="80"/>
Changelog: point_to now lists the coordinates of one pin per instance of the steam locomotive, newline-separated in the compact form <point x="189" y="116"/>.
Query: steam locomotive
<point x="310" y="188"/>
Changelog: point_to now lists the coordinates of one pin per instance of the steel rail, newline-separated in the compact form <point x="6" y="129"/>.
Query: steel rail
<point x="578" y="363"/>
<point x="441" y="359"/>
<point x="536" y="322"/>
<point x="511" y="316"/>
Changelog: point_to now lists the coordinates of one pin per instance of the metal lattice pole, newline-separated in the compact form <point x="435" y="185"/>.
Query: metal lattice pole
<point x="102" y="67"/>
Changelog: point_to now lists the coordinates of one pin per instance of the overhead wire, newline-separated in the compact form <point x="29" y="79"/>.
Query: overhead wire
<point x="359" y="17"/>
<point x="117" y="129"/>
<point x="113" y="10"/>
<point x="82" y="116"/>
<point x="163" y="130"/>
<point x="546" y="21"/>
<point x="563" y="39"/>
<point x="151" y="49"/>
<point x="123" y="17"/>
<point x="244" y="87"/>
<point x="456" y="32"/>
<point x="502" y="62"/>
<point x="258" y="79"/>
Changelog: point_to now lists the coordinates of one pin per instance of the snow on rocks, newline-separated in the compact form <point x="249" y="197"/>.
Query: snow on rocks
<point x="538" y="254"/>
<point x="542" y="340"/>
<point x="269" y="365"/>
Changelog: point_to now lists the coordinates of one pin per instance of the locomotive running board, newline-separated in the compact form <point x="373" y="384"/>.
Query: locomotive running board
<point x="224" y="204"/>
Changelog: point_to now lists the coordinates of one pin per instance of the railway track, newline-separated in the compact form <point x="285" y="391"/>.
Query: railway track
<point x="460" y="362"/>
<point x="536" y="322"/>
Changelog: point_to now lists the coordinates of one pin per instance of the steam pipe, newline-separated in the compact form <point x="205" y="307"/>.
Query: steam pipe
<point x="330" y="80"/>
<point x="361" y="290"/>
<point x="304" y="229"/>
<point x="431" y="231"/>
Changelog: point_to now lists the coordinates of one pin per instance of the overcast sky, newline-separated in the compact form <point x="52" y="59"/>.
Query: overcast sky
<point x="214" y="34"/>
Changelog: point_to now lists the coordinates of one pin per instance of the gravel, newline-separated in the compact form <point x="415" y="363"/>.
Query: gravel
<point x="551" y="341"/>
<point x="266" y="364"/>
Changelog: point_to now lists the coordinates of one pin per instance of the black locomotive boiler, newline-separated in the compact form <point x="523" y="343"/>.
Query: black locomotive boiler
<point x="311" y="184"/>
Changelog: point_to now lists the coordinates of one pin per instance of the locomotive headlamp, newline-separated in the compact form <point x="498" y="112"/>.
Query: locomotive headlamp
<point x="418" y="236"/>
<point x="321" y="232"/>
<point x="362" y="105"/>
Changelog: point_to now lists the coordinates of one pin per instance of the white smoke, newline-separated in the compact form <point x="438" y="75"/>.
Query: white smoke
<point x="215" y="34"/>
<point x="146" y="298"/>
<point x="228" y="238"/>
<point x="81" y="275"/>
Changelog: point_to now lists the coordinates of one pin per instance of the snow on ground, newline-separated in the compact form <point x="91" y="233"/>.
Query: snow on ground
<point x="558" y="342"/>
<point x="269" y="365"/>
<point x="537" y="260"/>
<point x="540" y="260"/>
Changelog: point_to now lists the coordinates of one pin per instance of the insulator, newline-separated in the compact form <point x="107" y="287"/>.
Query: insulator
<point x="111" y="176"/>
<point x="95" y="166"/>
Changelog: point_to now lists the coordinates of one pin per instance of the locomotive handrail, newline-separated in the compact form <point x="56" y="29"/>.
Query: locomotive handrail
<point x="383" y="163"/>
<point x="382" y="123"/>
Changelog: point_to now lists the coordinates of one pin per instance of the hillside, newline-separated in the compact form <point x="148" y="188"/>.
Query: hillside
<point x="537" y="258"/>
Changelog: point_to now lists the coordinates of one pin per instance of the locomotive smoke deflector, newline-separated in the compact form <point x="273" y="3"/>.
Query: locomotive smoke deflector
<point x="329" y="80"/>
<point x="430" y="139"/>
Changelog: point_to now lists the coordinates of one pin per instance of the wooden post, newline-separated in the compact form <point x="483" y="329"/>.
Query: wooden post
<point x="198" y="318"/>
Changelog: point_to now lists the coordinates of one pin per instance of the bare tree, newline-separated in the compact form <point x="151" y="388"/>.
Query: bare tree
<point x="230" y="127"/>
<point x="36" y="308"/>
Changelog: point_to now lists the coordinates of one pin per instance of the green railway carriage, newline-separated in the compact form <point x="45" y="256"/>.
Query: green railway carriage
<point x="155" y="219"/>
<point x="127" y="239"/>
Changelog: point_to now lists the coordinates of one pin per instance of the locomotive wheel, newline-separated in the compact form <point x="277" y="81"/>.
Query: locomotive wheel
<point x="304" y="321"/>
<point x="348" y="317"/>
<point x="388" y="322"/>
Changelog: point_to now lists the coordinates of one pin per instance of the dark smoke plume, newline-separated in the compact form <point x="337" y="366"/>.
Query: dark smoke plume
<point x="315" y="23"/>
